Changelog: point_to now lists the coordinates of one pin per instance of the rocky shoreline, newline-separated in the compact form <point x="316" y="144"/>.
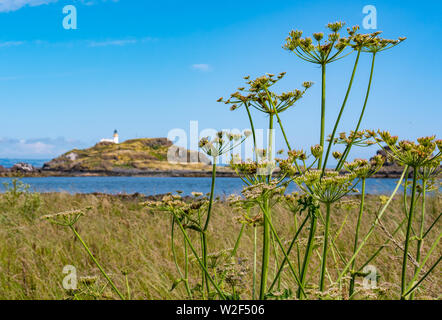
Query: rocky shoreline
<point x="65" y="166"/>
<point x="27" y="170"/>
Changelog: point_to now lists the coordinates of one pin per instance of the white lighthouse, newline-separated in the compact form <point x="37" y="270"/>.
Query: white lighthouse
<point x="115" y="139"/>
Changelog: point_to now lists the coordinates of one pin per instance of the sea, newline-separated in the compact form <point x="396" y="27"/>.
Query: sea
<point x="158" y="185"/>
<point x="150" y="185"/>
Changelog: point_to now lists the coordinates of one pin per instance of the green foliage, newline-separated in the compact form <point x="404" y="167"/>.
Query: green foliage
<point x="18" y="198"/>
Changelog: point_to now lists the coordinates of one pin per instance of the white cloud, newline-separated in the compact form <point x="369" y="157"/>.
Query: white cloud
<point x="6" y="44"/>
<point x="118" y="42"/>
<point x="13" y="5"/>
<point x="202" y="67"/>
<point x="111" y="43"/>
<point x="36" y="148"/>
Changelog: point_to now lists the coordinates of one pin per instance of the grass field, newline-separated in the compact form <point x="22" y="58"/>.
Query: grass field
<point x="126" y="238"/>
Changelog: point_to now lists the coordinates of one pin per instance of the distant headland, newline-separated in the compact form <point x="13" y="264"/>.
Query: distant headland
<point x="135" y="157"/>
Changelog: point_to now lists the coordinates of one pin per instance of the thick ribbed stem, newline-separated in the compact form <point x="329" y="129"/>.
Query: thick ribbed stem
<point x="206" y="225"/>
<point x="265" y="254"/>
<point x="322" y="133"/>
<point x="355" y="246"/>
<point x="325" y="248"/>
<point x="408" y="234"/>
<point x="308" y="254"/>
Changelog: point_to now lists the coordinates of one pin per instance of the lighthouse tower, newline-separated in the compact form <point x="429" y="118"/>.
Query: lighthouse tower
<point x="116" y="140"/>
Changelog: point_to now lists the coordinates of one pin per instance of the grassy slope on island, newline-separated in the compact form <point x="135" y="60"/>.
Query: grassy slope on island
<point x="136" y="154"/>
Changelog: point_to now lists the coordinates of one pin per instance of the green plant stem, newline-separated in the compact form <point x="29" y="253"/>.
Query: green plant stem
<point x="127" y="287"/>
<point x="421" y="234"/>
<point x="288" y="252"/>
<point x="374" y="255"/>
<point x="373" y="226"/>
<point x="341" y="111"/>
<point x="275" y="111"/>
<point x="413" y="284"/>
<point x="206" y="225"/>
<point x="355" y="246"/>
<point x="423" y="278"/>
<point x="325" y="248"/>
<point x="254" y="263"/>
<point x="275" y="250"/>
<point x="408" y="234"/>
<point x="253" y="131"/>
<point x="270" y="151"/>
<point x="432" y="225"/>
<point x="266" y="230"/>
<point x="265" y="254"/>
<point x="172" y="245"/>
<point x="96" y="263"/>
<point x="212" y="191"/>
<point x="186" y="270"/>
<point x="322" y="133"/>
<point x="404" y="197"/>
<point x="348" y="147"/>
<point x="298" y="252"/>
<point x="308" y="254"/>
<point x="195" y="253"/>
<point x="278" y="240"/>
<point x="238" y="240"/>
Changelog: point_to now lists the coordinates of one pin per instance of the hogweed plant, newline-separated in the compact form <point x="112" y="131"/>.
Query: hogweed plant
<point x="69" y="219"/>
<point x="324" y="50"/>
<point x="426" y="153"/>
<point x="321" y="51"/>
<point x="259" y="96"/>
<point x="223" y="143"/>
<point x="320" y="190"/>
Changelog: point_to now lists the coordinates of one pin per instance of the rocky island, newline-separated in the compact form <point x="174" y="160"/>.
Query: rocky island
<point x="138" y="157"/>
<point x="135" y="157"/>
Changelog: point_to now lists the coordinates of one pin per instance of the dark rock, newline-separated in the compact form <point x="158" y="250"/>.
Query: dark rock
<point x="388" y="162"/>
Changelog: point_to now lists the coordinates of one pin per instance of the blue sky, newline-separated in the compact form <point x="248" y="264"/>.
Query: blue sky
<point x="147" y="67"/>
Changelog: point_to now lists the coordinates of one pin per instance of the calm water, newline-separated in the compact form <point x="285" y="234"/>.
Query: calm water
<point x="158" y="185"/>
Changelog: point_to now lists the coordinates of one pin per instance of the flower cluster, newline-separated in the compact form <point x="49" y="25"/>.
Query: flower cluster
<point x="258" y="191"/>
<point x="223" y="142"/>
<point x="66" y="218"/>
<point x="362" y="168"/>
<point x="409" y="153"/>
<point x="326" y="188"/>
<point x="362" y="138"/>
<point x="186" y="210"/>
<point x="293" y="202"/>
<point x="250" y="169"/>
<point x="320" y="50"/>
<point x="234" y="273"/>
<point x="261" y="98"/>
<point x="377" y="44"/>
<point x="244" y="206"/>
